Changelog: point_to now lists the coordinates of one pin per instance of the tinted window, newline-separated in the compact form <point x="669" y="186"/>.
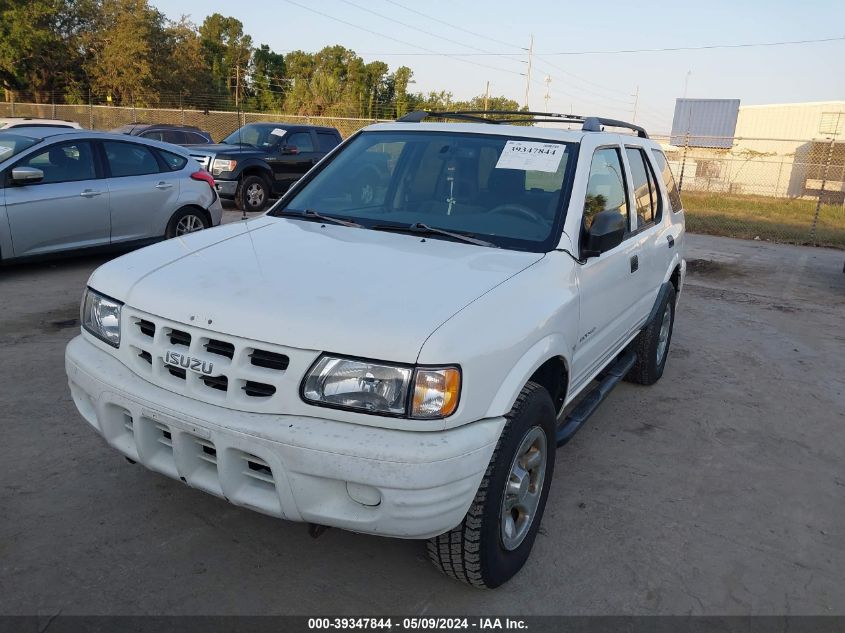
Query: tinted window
<point x="130" y="159"/>
<point x="606" y="186"/>
<point x="644" y="189"/>
<point x="64" y="162"/>
<point x="174" y="161"/>
<point x="192" y="138"/>
<point x="326" y="141"/>
<point x="668" y="180"/>
<point x="301" y="141"/>
<point x="472" y="183"/>
<point x="173" y="136"/>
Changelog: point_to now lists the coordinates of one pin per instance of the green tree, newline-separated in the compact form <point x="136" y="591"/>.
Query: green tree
<point x="268" y="79"/>
<point x="228" y="53"/>
<point x="39" y="51"/>
<point x="182" y="74"/>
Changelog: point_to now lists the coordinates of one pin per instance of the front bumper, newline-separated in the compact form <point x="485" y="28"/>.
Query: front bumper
<point x="379" y="481"/>
<point x="226" y="188"/>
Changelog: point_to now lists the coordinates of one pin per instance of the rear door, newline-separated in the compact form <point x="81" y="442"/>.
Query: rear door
<point x="142" y="189"/>
<point x="68" y="209"/>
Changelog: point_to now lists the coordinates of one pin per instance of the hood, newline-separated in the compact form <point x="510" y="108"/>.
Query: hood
<point x="305" y="285"/>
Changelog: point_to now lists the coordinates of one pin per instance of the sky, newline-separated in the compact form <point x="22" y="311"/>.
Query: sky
<point x="403" y="32"/>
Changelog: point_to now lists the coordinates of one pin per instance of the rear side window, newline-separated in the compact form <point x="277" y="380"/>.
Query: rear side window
<point x="668" y="180"/>
<point x="606" y="186"/>
<point x="65" y="162"/>
<point x="192" y="138"/>
<point x="174" y="161"/>
<point x="326" y="142"/>
<point x="130" y="159"/>
<point x="644" y="187"/>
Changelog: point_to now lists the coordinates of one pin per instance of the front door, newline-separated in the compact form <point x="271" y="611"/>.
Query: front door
<point x="609" y="284"/>
<point x="296" y="155"/>
<point x="68" y="209"/>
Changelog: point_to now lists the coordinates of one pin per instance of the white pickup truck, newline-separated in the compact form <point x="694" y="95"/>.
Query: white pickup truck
<point x="406" y="365"/>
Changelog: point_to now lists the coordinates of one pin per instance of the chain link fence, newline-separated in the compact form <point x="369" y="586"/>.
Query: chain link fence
<point x="780" y="190"/>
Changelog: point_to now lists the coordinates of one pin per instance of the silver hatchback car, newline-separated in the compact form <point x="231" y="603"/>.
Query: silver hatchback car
<point x="63" y="189"/>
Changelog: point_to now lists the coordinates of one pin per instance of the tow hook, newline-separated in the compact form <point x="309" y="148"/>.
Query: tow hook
<point x="315" y="530"/>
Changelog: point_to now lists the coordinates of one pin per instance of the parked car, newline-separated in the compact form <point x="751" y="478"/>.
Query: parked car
<point x="11" y="122"/>
<point x="176" y="134"/>
<point x="408" y="367"/>
<point x="63" y="189"/>
<point x="261" y="160"/>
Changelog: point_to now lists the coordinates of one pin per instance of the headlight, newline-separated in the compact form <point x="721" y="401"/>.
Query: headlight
<point x="373" y="387"/>
<point x="220" y="165"/>
<point x="101" y="317"/>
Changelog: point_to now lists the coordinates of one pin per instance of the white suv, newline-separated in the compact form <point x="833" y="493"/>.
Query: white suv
<point x="406" y="366"/>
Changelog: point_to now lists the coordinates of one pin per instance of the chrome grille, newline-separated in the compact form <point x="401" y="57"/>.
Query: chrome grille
<point x="204" y="161"/>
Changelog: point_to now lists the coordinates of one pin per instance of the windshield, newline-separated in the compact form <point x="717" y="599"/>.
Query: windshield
<point x="258" y="135"/>
<point x="12" y="144"/>
<point x="504" y="190"/>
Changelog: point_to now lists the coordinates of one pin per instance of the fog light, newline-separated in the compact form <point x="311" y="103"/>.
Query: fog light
<point x="365" y="495"/>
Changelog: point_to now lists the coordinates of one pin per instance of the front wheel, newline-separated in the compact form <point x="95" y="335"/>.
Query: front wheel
<point x="253" y="194"/>
<point x="495" y="538"/>
<point x="184" y="221"/>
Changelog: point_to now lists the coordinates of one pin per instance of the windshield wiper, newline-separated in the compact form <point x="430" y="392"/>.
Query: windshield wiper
<point x="419" y="227"/>
<point x="310" y="213"/>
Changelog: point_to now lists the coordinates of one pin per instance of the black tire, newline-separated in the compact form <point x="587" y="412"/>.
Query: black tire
<point x="474" y="551"/>
<point x="253" y="194"/>
<point x="186" y="220"/>
<point x="649" y="367"/>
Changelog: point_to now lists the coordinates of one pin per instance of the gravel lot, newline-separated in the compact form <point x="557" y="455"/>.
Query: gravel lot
<point x="718" y="491"/>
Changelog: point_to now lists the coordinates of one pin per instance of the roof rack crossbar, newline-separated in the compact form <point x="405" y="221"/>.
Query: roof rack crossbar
<point x="589" y="124"/>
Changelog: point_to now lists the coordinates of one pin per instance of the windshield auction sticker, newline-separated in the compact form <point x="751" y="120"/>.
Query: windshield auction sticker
<point x="278" y="131"/>
<point x="529" y="156"/>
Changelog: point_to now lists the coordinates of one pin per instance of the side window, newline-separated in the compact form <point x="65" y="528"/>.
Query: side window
<point x="192" y="138"/>
<point x="302" y="141"/>
<point x="644" y="188"/>
<point x="173" y="136"/>
<point x="174" y="161"/>
<point x="130" y="159"/>
<point x="606" y="186"/>
<point x="155" y="135"/>
<point x="65" y="162"/>
<point x="326" y="142"/>
<point x="668" y="180"/>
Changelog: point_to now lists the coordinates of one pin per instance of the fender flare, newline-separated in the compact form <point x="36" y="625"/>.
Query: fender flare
<point x="252" y="164"/>
<point x="661" y="295"/>
<point x="553" y="345"/>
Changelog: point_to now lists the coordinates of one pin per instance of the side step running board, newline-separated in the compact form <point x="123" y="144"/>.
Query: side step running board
<point x="588" y="405"/>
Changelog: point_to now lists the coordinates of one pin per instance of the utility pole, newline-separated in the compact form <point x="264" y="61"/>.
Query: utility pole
<point x="486" y="96"/>
<point x="636" y="96"/>
<point x="237" y="83"/>
<point x="528" y="76"/>
<point x="686" y="83"/>
<point x="547" y="96"/>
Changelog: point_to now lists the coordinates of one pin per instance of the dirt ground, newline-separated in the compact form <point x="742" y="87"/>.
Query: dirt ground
<point x="718" y="491"/>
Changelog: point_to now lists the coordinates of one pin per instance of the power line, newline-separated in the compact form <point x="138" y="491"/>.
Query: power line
<point x="395" y="39"/>
<point x="633" y="50"/>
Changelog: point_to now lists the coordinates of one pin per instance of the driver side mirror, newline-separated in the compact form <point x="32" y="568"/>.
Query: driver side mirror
<point x="605" y="233"/>
<point x="27" y="175"/>
<point x="290" y="150"/>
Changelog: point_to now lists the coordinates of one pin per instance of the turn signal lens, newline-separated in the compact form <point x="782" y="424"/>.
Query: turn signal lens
<point x="436" y="392"/>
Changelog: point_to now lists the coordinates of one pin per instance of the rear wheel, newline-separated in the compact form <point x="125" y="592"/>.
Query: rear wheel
<point x="652" y="344"/>
<point x="495" y="538"/>
<point x="186" y="220"/>
<point x="253" y="194"/>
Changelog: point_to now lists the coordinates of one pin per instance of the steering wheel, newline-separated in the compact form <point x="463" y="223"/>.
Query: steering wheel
<point x="519" y="210"/>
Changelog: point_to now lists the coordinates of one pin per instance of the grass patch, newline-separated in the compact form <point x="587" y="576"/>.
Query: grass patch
<point x="772" y="219"/>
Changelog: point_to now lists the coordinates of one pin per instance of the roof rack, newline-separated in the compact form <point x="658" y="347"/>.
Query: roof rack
<point x="588" y="123"/>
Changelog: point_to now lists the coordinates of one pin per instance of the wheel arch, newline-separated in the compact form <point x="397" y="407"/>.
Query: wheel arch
<point x="546" y="363"/>
<point x="195" y="207"/>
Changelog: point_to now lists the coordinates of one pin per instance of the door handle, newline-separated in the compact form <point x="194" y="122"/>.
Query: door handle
<point x="635" y="263"/>
<point x="164" y="185"/>
<point x="90" y="193"/>
<point x="671" y="240"/>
